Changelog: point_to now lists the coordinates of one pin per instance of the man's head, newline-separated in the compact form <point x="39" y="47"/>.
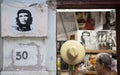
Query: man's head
<point x="81" y="19"/>
<point x="107" y="15"/>
<point x="85" y="34"/>
<point x="103" y="62"/>
<point x="24" y="20"/>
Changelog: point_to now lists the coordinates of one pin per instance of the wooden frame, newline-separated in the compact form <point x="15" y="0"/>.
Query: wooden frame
<point x="87" y="4"/>
<point x="95" y="4"/>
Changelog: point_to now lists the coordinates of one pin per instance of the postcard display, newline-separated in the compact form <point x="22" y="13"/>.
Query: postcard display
<point x="25" y="36"/>
<point x="96" y="32"/>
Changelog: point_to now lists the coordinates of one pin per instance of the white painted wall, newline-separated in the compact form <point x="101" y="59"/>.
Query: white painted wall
<point x="1" y="44"/>
<point x="1" y="55"/>
<point x="48" y="44"/>
<point x="51" y="41"/>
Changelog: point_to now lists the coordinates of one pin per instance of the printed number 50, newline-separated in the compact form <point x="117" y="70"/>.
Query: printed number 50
<point x="21" y="55"/>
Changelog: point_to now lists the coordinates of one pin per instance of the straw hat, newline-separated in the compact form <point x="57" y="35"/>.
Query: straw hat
<point x="72" y="52"/>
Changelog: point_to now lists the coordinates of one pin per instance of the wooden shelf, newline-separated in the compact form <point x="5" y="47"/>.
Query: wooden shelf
<point x="63" y="70"/>
<point x="99" y="51"/>
<point x="90" y="72"/>
<point x="93" y="72"/>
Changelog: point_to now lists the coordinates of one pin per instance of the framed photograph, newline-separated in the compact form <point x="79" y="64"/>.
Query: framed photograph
<point x="18" y="21"/>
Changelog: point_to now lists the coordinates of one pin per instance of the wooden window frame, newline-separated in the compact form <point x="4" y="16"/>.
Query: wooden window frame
<point x="96" y="4"/>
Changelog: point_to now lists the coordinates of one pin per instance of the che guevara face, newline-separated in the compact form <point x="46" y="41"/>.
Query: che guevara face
<point x="23" y="17"/>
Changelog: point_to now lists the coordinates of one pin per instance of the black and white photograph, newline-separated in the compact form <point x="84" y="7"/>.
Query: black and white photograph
<point x="108" y="25"/>
<point x="88" y="40"/>
<point x="106" y="40"/>
<point x="24" y="21"/>
<point x="98" y="40"/>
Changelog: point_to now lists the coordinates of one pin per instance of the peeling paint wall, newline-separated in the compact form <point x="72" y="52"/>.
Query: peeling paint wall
<point x="40" y="65"/>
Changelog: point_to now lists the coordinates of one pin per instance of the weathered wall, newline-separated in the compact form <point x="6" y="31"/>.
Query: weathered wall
<point x="1" y="48"/>
<point x="47" y="47"/>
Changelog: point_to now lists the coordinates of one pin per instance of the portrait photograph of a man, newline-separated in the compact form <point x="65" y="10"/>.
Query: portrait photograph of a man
<point x="24" y="22"/>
